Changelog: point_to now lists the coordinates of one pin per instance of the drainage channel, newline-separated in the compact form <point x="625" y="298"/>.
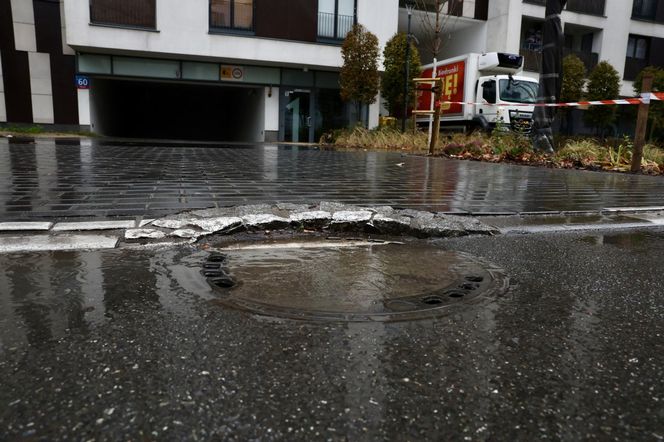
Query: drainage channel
<point x="350" y="281"/>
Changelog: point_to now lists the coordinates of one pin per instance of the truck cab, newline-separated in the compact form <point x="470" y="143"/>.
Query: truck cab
<point x="504" y="100"/>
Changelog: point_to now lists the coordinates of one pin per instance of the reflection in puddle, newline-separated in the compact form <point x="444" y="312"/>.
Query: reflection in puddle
<point x="44" y="296"/>
<point x="632" y="240"/>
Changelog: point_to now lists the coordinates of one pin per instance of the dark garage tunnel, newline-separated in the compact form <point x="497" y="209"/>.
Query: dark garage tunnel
<point x="176" y="111"/>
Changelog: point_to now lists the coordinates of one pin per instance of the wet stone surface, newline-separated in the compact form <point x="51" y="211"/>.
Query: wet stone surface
<point x="127" y="344"/>
<point x="58" y="179"/>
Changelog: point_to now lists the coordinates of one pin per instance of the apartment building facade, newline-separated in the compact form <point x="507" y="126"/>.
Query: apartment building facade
<point x="629" y="34"/>
<point x="233" y="70"/>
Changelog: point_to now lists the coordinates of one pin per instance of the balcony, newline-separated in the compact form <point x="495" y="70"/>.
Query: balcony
<point x="124" y="13"/>
<point x="334" y="26"/>
<point x="633" y="66"/>
<point x="589" y="59"/>
<point x="648" y="11"/>
<point x="591" y="7"/>
<point x="532" y="59"/>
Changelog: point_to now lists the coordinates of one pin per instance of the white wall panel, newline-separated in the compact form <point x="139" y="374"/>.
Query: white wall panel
<point x="41" y="87"/>
<point x="24" y="37"/>
<point x="272" y="108"/>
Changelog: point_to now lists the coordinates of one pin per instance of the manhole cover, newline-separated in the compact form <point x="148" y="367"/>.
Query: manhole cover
<point x="365" y="282"/>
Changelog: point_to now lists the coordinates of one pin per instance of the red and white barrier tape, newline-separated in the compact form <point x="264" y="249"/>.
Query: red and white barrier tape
<point x="644" y="98"/>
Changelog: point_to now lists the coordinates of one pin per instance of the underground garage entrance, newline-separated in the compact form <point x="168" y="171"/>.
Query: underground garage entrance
<point x="177" y="111"/>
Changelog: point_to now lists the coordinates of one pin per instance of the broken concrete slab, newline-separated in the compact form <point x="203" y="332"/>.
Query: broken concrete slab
<point x="133" y="234"/>
<point x="392" y="225"/>
<point x="217" y="224"/>
<point x="312" y="219"/>
<point x="265" y="221"/>
<point x="189" y="233"/>
<point x="332" y="207"/>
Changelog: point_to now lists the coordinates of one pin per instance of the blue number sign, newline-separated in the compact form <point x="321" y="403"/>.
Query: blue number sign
<point x="82" y="82"/>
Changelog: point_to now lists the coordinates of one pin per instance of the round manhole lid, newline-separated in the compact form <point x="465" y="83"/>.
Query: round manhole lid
<point x="366" y="282"/>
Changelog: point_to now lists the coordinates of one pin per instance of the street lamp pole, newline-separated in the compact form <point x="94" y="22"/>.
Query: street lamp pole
<point x="409" y="8"/>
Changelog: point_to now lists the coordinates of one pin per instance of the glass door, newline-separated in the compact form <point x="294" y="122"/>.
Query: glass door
<point x="297" y="116"/>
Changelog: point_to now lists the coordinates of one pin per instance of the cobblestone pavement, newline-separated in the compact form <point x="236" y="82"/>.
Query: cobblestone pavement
<point x="98" y="179"/>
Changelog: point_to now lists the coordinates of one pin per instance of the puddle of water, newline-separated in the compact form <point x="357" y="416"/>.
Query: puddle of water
<point x="632" y="240"/>
<point x="353" y="283"/>
<point x="46" y="295"/>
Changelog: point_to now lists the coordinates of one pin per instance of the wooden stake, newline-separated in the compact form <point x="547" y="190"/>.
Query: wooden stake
<point x="641" y="125"/>
<point x="436" y="118"/>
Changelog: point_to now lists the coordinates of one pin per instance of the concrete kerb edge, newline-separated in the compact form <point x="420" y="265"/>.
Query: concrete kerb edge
<point x="330" y="217"/>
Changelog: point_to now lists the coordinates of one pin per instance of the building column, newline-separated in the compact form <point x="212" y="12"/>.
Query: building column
<point x="84" y="107"/>
<point x="271" y="114"/>
<point x="504" y="26"/>
<point x="3" y="107"/>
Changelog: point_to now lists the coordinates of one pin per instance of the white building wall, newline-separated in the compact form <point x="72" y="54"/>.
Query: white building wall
<point x="470" y="39"/>
<point x="504" y="26"/>
<point x="183" y="31"/>
<point x="23" y="17"/>
<point x="3" y="108"/>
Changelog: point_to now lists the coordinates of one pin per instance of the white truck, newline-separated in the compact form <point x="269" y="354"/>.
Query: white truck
<point x="490" y="82"/>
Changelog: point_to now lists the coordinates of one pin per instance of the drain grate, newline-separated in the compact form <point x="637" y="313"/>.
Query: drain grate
<point x="372" y="282"/>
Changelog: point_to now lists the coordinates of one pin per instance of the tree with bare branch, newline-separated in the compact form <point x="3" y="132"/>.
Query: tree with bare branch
<point x="438" y="14"/>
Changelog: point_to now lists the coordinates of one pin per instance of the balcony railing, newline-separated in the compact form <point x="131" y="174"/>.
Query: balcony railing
<point x="133" y="13"/>
<point x="532" y="59"/>
<point x="632" y="67"/>
<point x="592" y="7"/>
<point x="334" y="26"/>
<point x="589" y="59"/>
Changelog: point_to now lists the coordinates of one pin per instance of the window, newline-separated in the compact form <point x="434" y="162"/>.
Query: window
<point x="489" y="91"/>
<point x="335" y="18"/>
<point x="232" y="14"/>
<point x="644" y="9"/>
<point x="518" y="91"/>
<point x="637" y="47"/>
<point x="129" y="13"/>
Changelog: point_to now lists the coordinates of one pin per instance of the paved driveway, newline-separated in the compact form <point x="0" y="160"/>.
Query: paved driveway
<point x="98" y="179"/>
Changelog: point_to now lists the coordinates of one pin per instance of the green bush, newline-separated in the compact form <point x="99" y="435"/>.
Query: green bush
<point x="603" y="84"/>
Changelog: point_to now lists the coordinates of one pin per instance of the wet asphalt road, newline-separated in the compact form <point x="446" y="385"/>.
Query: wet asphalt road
<point x="58" y="179"/>
<point x="132" y="345"/>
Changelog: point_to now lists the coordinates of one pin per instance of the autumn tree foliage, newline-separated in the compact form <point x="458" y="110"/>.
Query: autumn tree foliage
<point x="392" y="86"/>
<point x="359" y="79"/>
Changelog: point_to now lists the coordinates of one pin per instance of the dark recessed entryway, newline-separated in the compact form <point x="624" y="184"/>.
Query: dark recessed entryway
<point x="180" y="111"/>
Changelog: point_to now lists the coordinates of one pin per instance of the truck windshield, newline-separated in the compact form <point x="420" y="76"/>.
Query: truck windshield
<point x="518" y="91"/>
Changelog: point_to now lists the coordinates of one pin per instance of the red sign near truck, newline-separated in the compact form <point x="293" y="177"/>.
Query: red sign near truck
<point x="453" y="75"/>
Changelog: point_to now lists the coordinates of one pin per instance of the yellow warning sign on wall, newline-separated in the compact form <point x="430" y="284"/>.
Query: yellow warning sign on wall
<point x="232" y="73"/>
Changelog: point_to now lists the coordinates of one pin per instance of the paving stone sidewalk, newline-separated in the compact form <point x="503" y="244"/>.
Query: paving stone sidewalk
<point x="96" y="179"/>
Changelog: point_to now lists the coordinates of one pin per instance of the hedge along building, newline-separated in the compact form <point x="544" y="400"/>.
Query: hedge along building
<point x="232" y="70"/>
